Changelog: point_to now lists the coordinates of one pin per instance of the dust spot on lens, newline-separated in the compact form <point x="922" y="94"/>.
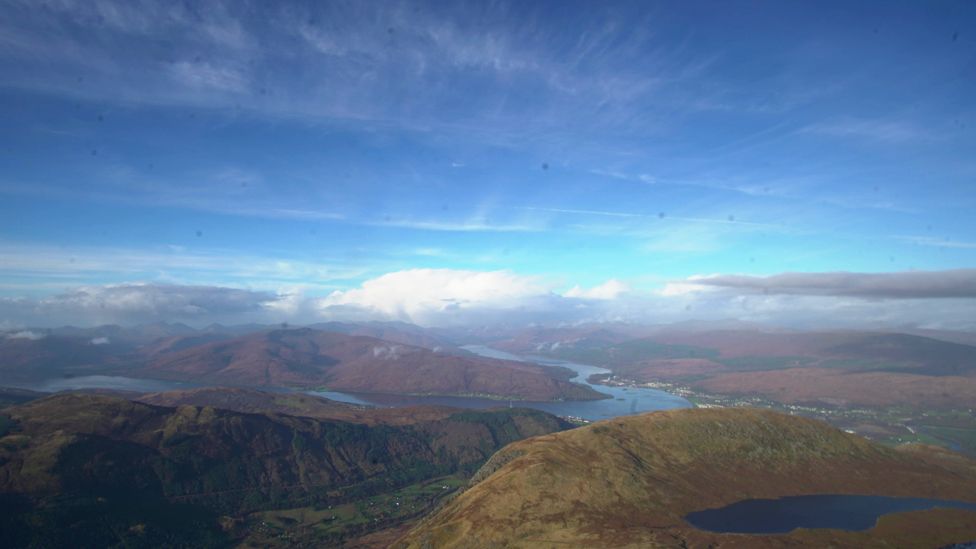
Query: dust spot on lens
<point x="731" y="218"/>
<point x="199" y="233"/>
<point x="660" y="215"/>
<point x="545" y="165"/>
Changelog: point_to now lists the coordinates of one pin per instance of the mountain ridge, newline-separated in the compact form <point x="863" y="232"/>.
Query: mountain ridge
<point x="628" y="482"/>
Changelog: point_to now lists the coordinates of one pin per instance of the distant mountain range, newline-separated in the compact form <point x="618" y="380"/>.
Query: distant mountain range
<point x="308" y="357"/>
<point x="926" y="368"/>
<point x="839" y="368"/>
<point x="282" y="357"/>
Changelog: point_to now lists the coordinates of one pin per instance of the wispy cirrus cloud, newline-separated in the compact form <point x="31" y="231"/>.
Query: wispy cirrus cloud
<point x="880" y="130"/>
<point x="468" y="226"/>
<point x="396" y="62"/>
<point x="54" y="266"/>
<point x="937" y="242"/>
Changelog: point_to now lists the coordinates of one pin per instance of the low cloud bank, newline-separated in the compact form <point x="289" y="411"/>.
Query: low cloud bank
<point x="447" y="297"/>
<point x="958" y="283"/>
<point x="135" y="303"/>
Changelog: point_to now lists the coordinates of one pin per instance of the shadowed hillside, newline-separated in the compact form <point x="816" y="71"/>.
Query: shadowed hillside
<point x="254" y="401"/>
<point x="86" y="467"/>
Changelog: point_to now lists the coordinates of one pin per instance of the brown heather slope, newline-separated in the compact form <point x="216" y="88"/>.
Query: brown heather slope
<point x="253" y="401"/>
<point x="23" y="359"/>
<point x="841" y="388"/>
<point x="846" y="368"/>
<point x="628" y="482"/>
<point x="307" y="357"/>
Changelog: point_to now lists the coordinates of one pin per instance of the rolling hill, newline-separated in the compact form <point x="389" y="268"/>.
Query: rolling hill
<point x="846" y="368"/>
<point x="27" y="359"/>
<point x="307" y="357"/>
<point x="628" y="482"/>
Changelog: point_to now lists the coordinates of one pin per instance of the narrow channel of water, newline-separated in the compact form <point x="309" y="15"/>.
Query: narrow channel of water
<point x="116" y="383"/>
<point x="623" y="401"/>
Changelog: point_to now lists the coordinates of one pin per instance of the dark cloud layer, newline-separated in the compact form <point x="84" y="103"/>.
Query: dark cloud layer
<point x="128" y="303"/>
<point x="958" y="283"/>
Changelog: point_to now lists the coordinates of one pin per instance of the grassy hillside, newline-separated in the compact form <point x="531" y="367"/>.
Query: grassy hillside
<point x="630" y="481"/>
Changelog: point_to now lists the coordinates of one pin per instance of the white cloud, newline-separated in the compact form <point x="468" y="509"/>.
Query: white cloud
<point x="446" y="297"/>
<point x="26" y="334"/>
<point x="100" y="341"/>
<point x="428" y="295"/>
<point x="388" y="352"/>
<point x="611" y="289"/>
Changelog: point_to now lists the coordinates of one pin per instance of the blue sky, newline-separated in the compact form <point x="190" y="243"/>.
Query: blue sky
<point x="304" y="149"/>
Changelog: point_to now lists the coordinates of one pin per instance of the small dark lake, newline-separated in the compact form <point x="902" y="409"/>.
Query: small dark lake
<point x="842" y="512"/>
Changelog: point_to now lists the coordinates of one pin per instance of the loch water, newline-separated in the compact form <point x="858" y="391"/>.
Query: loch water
<point x="837" y="511"/>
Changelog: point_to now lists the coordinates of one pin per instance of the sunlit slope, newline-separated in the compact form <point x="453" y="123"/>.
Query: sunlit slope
<point x="845" y="368"/>
<point x="307" y="357"/>
<point x="629" y="482"/>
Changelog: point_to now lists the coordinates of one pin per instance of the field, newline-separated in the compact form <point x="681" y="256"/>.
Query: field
<point x="347" y="522"/>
